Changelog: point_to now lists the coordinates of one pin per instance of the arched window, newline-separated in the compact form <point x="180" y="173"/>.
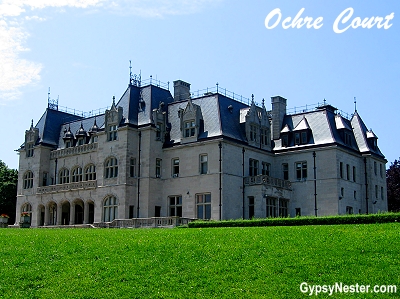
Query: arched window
<point x="77" y="174"/>
<point x="110" y="209"/>
<point x="90" y="172"/>
<point x="111" y="168"/>
<point x="26" y="208"/>
<point x="28" y="180"/>
<point x="63" y="176"/>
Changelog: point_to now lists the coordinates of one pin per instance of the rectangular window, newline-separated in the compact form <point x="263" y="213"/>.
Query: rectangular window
<point x="251" y="207"/>
<point x="132" y="167"/>
<point x="381" y="170"/>
<point x="266" y="167"/>
<point x="175" y="205"/>
<point x="349" y="210"/>
<point x="175" y="167"/>
<point x="81" y="141"/>
<point x="304" y="138"/>
<point x="298" y="212"/>
<point x="376" y="191"/>
<point x="45" y="178"/>
<point x="271" y="207"/>
<point x="285" y="140"/>
<point x="348" y="171"/>
<point x="354" y="174"/>
<point x="253" y="167"/>
<point x="112" y="133"/>
<point x="29" y="150"/>
<point x="203" y="204"/>
<point x="253" y="133"/>
<point x="285" y="170"/>
<point x="190" y="128"/>
<point x="375" y="169"/>
<point x="301" y="171"/>
<point x="283" y="208"/>
<point x="159" y="129"/>
<point x="264" y="137"/>
<point x="203" y="164"/>
<point x="296" y="138"/>
<point x="131" y="211"/>
<point x="158" y="168"/>
<point x="355" y="195"/>
<point x="341" y="170"/>
<point x="382" y="194"/>
<point x="68" y="144"/>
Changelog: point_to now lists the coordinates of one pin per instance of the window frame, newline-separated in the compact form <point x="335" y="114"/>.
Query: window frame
<point x="30" y="150"/>
<point x="28" y="180"/>
<point x="77" y="174"/>
<point x="175" y="165"/>
<point x="110" y="208"/>
<point x="90" y="172"/>
<point x="158" y="167"/>
<point x="175" y="205"/>
<point x="203" y="164"/>
<point x="253" y="167"/>
<point x="111" y="168"/>
<point x="63" y="176"/>
<point x="112" y="134"/>
<point x="266" y="168"/>
<point x="203" y="205"/>
<point x="189" y="128"/>
<point x="302" y="171"/>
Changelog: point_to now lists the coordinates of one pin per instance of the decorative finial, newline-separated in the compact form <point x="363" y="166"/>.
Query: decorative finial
<point x="130" y="72"/>
<point x="252" y="98"/>
<point x="32" y="123"/>
<point x="324" y="102"/>
<point x="355" y="104"/>
<point x="263" y="103"/>
<point x="217" y="86"/>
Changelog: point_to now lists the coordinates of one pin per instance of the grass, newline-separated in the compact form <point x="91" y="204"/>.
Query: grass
<point x="258" y="262"/>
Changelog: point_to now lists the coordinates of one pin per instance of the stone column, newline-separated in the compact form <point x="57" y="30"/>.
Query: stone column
<point x="46" y="215"/>
<point x="59" y="214"/>
<point x="85" y="213"/>
<point x="72" y="214"/>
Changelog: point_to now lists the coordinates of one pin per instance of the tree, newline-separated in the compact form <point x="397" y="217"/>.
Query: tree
<point x="8" y="191"/>
<point x="393" y="186"/>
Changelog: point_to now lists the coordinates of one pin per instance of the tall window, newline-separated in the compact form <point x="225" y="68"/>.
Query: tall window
<point x="341" y="169"/>
<point x="90" y="172"/>
<point x="63" y="176"/>
<point x="349" y="210"/>
<point x="251" y="207"/>
<point x="266" y="167"/>
<point x="81" y="141"/>
<point x="381" y="170"/>
<point x="285" y="170"/>
<point x="68" y="143"/>
<point x="382" y="194"/>
<point x="253" y="133"/>
<point x="132" y="167"/>
<point x="283" y="208"/>
<point x="375" y="169"/>
<point x="376" y="191"/>
<point x="158" y="168"/>
<point x="253" y="167"/>
<point x="271" y="207"/>
<point x="45" y="178"/>
<point x="296" y="138"/>
<point x="110" y="209"/>
<point x="285" y="140"/>
<point x="175" y="206"/>
<point x="348" y="172"/>
<point x="28" y="180"/>
<point x="175" y="167"/>
<point x="354" y="174"/>
<point x="264" y="137"/>
<point x="304" y="138"/>
<point x="203" y="163"/>
<point x="77" y="174"/>
<point x="190" y="128"/>
<point x="203" y="203"/>
<point x="112" y="133"/>
<point x="111" y="168"/>
<point x="29" y="150"/>
<point x="301" y="170"/>
<point x="159" y="129"/>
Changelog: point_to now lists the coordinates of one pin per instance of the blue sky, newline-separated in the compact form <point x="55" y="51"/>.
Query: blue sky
<point x="81" y="50"/>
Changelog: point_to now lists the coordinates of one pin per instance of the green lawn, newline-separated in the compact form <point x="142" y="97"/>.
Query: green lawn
<point x="259" y="262"/>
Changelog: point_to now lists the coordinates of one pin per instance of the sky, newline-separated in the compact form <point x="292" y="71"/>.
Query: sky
<point x="81" y="49"/>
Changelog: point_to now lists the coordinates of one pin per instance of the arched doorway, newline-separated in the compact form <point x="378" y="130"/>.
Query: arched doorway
<point x="40" y="215"/>
<point x="65" y="213"/>
<point x="91" y="212"/>
<point x="78" y="211"/>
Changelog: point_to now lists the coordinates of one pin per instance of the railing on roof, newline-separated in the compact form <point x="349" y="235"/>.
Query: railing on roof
<point x="314" y="107"/>
<point x="154" y="82"/>
<point x="79" y="112"/>
<point x="223" y="91"/>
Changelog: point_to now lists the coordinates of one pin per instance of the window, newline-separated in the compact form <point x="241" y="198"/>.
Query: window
<point x="296" y="138"/>
<point x="29" y="150"/>
<point x="45" y="178"/>
<point x="90" y="173"/>
<point x="355" y="195"/>
<point x="341" y="170"/>
<point x="81" y="141"/>
<point x="93" y="139"/>
<point x="77" y="175"/>
<point x="132" y="167"/>
<point x="347" y="139"/>
<point x="381" y="170"/>
<point x="251" y="207"/>
<point x="271" y="207"/>
<point x="190" y="128"/>
<point x="341" y="192"/>
<point x="354" y="174"/>
<point x="28" y="180"/>
<point x="203" y="164"/>
<point x="304" y="138"/>
<point x="159" y="129"/>
<point x="375" y="169"/>
<point x="301" y="170"/>
<point x="175" y="167"/>
<point x="111" y="168"/>
<point x="266" y="167"/>
<point x="110" y="209"/>
<point x="382" y="194"/>
<point x="264" y="137"/>
<point x="285" y="140"/>
<point x="298" y="212"/>
<point x="131" y="211"/>
<point x="158" y="168"/>
<point x="175" y="205"/>
<point x="285" y="170"/>
<point x="253" y="167"/>
<point x="203" y="202"/>
<point x="376" y="191"/>
<point x="348" y="172"/>
<point x="253" y="133"/>
<point x="68" y="143"/>
<point x="63" y="177"/>
<point x="112" y="133"/>
<point x="349" y="210"/>
<point x="283" y="208"/>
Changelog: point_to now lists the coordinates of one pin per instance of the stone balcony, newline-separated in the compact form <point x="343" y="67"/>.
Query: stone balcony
<point x="80" y="149"/>
<point x="67" y="187"/>
<point x="268" y="181"/>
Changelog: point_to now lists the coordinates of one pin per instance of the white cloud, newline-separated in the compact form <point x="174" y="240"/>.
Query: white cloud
<point x="16" y="72"/>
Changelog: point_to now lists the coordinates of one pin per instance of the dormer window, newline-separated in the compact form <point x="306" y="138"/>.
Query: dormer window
<point x="81" y="141"/>
<point x="285" y="140"/>
<point x="29" y="150"/>
<point x="190" y="128"/>
<point x="253" y="133"/>
<point x="68" y="143"/>
<point x="112" y="132"/>
<point x="264" y="139"/>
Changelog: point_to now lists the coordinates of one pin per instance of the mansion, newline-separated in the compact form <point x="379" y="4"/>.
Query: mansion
<point x="205" y="156"/>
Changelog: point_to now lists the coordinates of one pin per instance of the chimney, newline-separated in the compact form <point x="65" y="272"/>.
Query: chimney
<point x="181" y="90"/>
<point x="278" y="113"/>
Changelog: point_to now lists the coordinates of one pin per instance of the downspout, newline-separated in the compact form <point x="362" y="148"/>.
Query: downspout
<point x="243" y="150"/>
<point x="220" y="180"/>
<point x="138" y="176"/>
<point x="366" y="185"/>
<point x="315" y="186"/>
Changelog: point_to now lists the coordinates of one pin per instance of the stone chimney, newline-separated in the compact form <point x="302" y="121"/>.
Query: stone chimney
<point x="181" y="90"/>
<point x="278" y="113"/>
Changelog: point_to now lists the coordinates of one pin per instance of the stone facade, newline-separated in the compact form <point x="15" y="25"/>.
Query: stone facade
<point x="210" y="156"/>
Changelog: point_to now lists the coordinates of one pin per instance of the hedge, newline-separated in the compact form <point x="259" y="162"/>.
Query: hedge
<point x="309" y="220"/>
